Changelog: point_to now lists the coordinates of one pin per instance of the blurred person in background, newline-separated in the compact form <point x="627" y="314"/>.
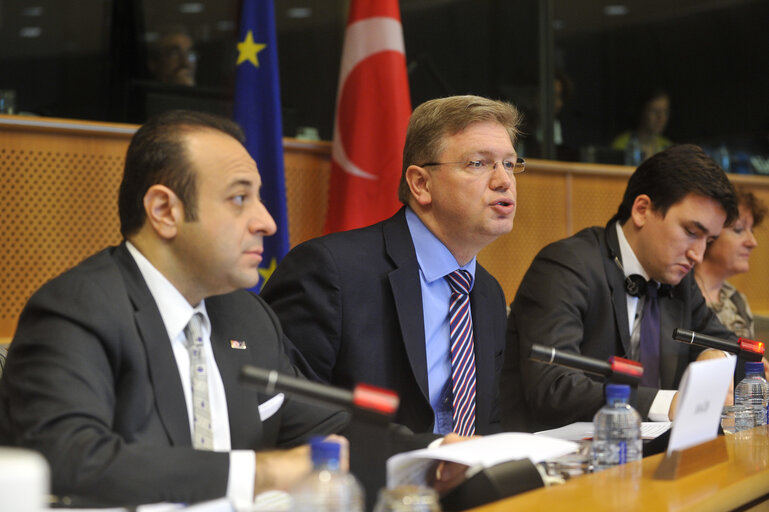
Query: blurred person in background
<point x="652" y="114"/>
<point x="533" y="146"/>
<point x="172" y="58"/>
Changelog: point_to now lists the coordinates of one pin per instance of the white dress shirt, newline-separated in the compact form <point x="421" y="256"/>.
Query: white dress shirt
<point x="176" y="313"/>
<point x="664" y="397"/>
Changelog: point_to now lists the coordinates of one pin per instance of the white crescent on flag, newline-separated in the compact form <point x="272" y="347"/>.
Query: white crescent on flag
<point x="363" y="39"/>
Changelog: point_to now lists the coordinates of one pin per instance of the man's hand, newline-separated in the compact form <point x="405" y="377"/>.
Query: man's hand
<point x="281" y="469"/>
<point x="448" y="475"/>
<point x="673" y="406"/>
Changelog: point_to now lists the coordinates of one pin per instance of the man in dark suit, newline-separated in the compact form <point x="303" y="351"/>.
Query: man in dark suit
<point x="372" y="305"/>
<point x="100" y="378"/>
<point x="584" y="295"/>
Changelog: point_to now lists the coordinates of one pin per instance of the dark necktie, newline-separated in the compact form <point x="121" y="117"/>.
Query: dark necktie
<point x="650" y="337"/>
<point x="462" y="353"/>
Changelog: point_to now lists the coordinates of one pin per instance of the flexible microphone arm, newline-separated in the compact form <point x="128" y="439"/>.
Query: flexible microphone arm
<point x="750" y="350"/>
<point x="363" y="398"/>
<point x="616" y="369"/>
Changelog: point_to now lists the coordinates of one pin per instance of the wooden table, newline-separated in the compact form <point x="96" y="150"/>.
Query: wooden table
<point x="744" y="479"/>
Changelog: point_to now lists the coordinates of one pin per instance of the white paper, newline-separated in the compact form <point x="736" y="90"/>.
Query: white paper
<point x="217" y="505"/>
<point x="654" y="429"/>
<point x="701" y="397"/>
<point x="584" y="430"/>
<point x="411" y="467"/>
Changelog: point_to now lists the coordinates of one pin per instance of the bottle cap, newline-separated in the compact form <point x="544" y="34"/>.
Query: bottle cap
<point x="754" y="367"/>
<point x="324" y="453"/>
<point x="617" y="391"/>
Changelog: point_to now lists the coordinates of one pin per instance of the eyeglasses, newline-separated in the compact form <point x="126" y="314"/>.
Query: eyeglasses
<point x="486" y="166"/>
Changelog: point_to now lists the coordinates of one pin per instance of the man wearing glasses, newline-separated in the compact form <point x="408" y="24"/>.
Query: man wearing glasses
<point x="172" y="58"/>
<point x="403" y="304"/>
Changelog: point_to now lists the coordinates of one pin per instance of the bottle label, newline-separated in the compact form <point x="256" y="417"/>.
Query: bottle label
<point x="622" y="452"/>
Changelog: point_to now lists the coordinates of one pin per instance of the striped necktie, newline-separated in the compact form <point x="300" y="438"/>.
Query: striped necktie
<point x="203" y="437"/>
<point x="462" y="352"/>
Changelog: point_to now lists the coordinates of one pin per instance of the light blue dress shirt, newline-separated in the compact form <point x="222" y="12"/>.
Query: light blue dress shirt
<point x="435" y="262"/>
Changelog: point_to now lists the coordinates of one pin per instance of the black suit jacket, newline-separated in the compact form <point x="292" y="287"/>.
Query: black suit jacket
<point x="352" y="304"/>
<point x="91" y="382"/>
<point x="573" y="298"/>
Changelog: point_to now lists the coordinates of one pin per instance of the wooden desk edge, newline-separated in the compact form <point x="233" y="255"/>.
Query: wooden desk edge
<point x="749" y="488"/>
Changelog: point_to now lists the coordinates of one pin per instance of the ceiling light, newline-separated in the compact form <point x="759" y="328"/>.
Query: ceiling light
<point x="30" y="32"/>
<point x="191" y="7"/>
<point x="32" y="11"/>
<point x="615" y="10"/>
<point x="299" y="12"/>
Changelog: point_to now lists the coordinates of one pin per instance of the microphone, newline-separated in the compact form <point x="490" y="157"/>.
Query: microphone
<point x="616" y="369"/>
<point x="750" y="350"/>
<point x="364" y="397"/>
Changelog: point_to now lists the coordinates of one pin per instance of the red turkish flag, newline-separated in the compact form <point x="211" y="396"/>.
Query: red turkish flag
<point x="372" y="113"/>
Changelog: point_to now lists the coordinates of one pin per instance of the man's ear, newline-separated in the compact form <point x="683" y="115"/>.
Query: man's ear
<point x="164" y="210"/>
<point x="419" y="180"/>
<point x="641" y="210"/>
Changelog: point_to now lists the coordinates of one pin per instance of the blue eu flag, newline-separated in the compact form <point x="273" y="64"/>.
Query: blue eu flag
<point x="257" y="111"/>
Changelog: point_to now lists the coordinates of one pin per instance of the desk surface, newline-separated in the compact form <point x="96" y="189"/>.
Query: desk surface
<point x="744" y="478"/>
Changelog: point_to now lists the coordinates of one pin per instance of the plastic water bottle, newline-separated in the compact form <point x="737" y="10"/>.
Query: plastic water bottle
<point x="617" y="430"/>
<point x="753" y="392"/>
<point x="327" y="488"/>
<point x="723" y="157"/>
<point x="633" y="151"/>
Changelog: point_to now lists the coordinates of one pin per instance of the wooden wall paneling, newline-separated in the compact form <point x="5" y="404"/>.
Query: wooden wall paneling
<point x="58" y="202"/>
<point x="539" y="219"/>
<point x="58" y="205"/>
<point x="595" y="199"/>
<point x="308" y="168"/>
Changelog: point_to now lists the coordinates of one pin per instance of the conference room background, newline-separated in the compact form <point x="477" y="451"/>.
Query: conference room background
<point x="86" y="59"/>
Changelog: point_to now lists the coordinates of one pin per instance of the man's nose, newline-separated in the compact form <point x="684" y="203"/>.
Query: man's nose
<point x="261" y="221"/>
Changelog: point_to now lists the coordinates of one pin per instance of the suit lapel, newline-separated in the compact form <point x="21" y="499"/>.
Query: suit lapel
<point x="407" y="294"/>
<point x="616" y="281"/>
<point x="483" y="338"/>
<point x="245" y="425"/>
<point x="166" y="384"/>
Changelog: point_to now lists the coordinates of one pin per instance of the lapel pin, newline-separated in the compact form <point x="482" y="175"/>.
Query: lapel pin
<point x="240" y="345"/>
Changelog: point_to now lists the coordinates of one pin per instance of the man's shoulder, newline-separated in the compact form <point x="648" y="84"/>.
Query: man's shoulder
<point x="368" y="233"/>
<point x="97" y="269"/>
<point x="585" y="241"/>
<point x="354" y="247"/>
<point x="93" y="293"/>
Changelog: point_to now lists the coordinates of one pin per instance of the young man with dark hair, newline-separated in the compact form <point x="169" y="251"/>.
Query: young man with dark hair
<point x="590" y="293"/>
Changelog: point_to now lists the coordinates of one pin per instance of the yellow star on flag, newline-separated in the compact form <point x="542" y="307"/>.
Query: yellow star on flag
<point x="267" y="272"/>
<point x="248" y="49"/>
